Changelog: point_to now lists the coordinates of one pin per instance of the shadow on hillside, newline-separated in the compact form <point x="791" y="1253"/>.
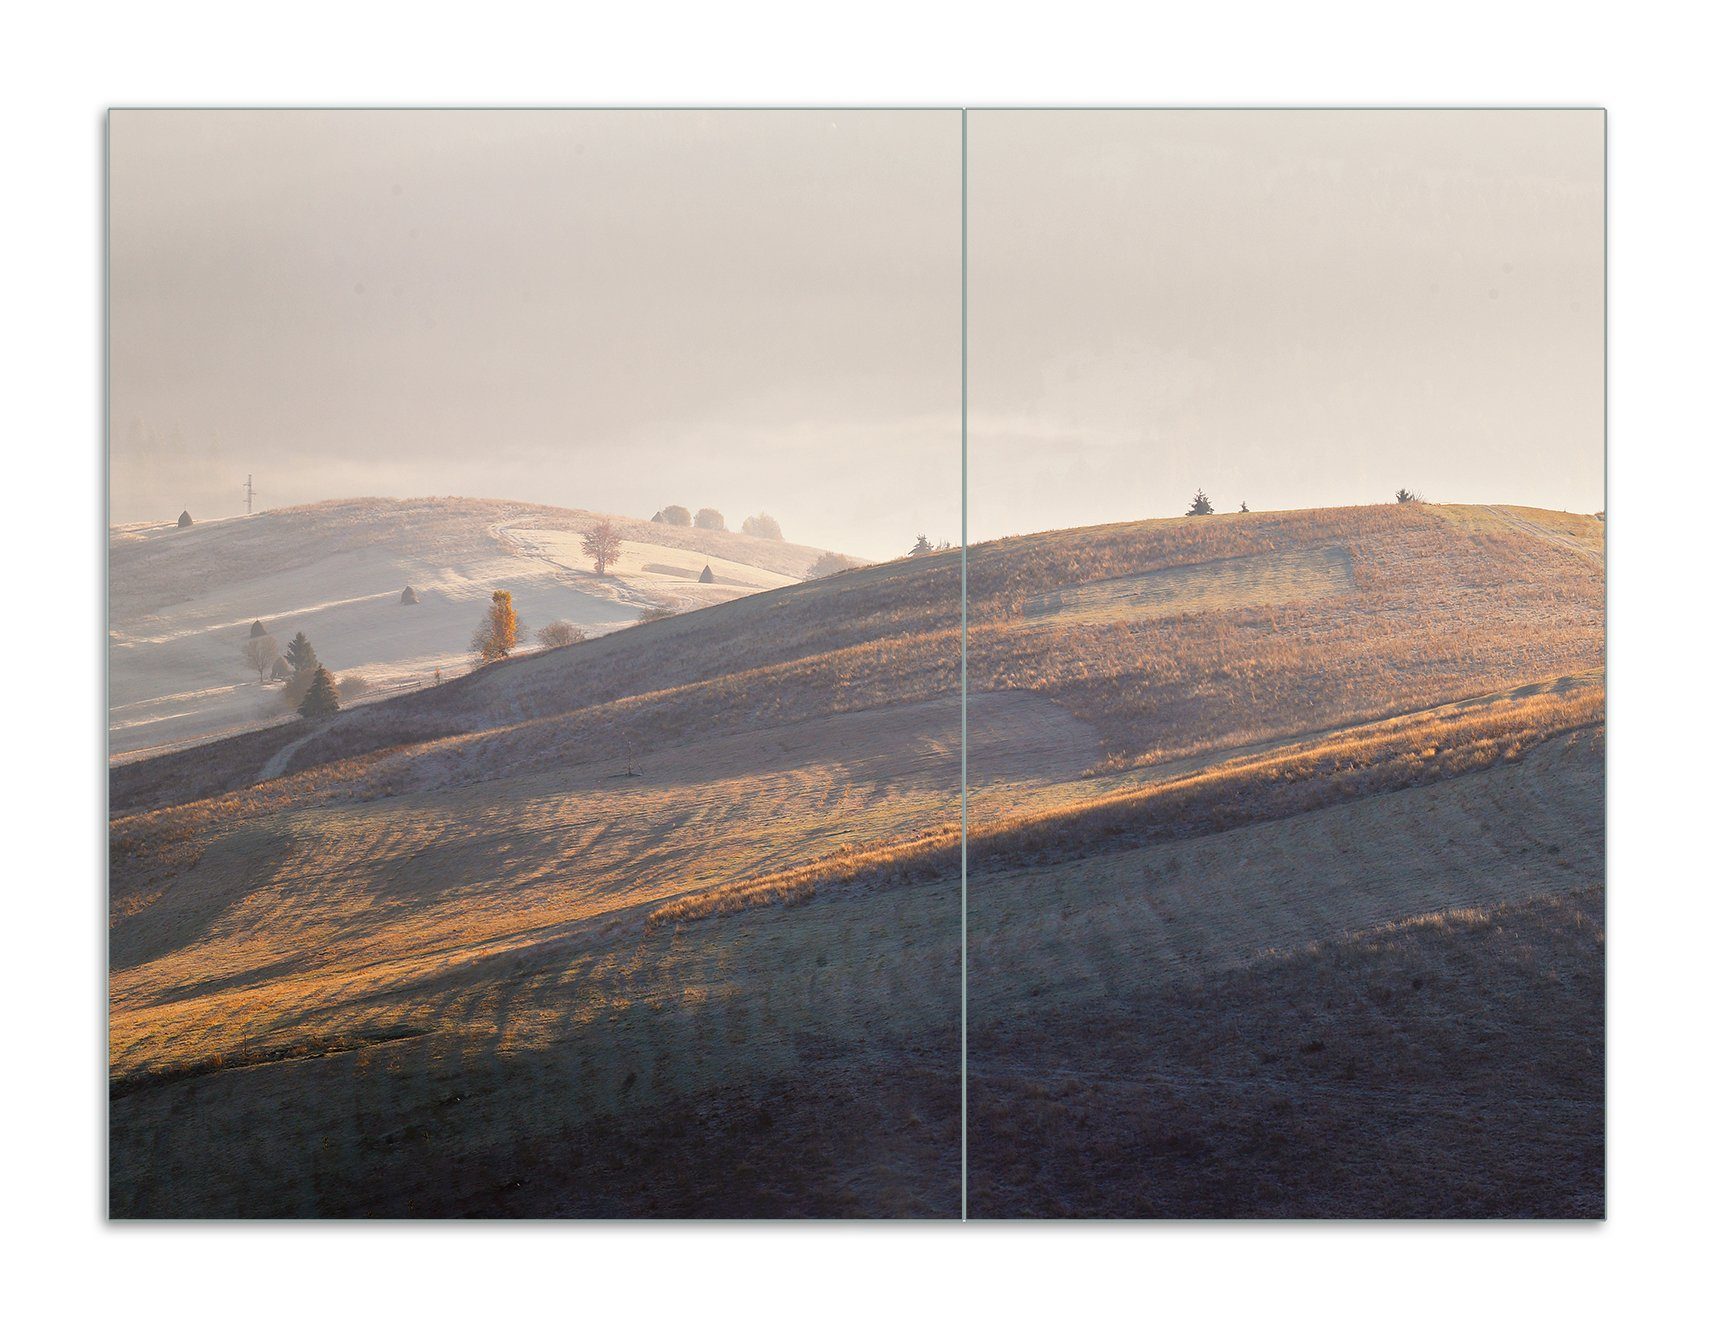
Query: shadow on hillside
<point x="1452" y="1069"/>
<point x="407" y="1131"/>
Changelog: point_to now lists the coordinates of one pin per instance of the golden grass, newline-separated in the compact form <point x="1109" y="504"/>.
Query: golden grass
<point x="1442" y="607"/>
<point x="1397" y="753"/>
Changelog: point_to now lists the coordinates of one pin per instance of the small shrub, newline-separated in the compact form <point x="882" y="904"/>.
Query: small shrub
<point x="829" y="563"/>
<point x="560" y="633"/>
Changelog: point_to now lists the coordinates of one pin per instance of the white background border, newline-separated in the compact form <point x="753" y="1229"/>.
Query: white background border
<point x="65" y="64"/>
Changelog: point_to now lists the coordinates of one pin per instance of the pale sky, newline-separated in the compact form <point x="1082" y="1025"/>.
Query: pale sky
<point x="759" y="310"/>
<point x="1288" y="308"/>
<point x="615" y="310"/>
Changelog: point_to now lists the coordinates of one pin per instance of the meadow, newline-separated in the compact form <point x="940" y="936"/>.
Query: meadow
<point x="667" y="922"/>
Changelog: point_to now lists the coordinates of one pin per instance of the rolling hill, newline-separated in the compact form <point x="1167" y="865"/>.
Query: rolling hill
<point x="1285" y="877"/>
<point x="182" y="601"/>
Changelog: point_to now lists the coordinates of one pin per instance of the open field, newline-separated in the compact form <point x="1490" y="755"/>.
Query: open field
<point x="182" y="601"/>
<point x="666" y="922"/>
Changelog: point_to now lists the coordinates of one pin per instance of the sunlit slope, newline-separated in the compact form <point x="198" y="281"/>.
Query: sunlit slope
<point x="1189" y="635"/>
<point x="183" y="601"/>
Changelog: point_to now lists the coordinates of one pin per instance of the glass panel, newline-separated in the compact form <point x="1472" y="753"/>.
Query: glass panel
<point x="641" y="906"/>
<point x="1286" y="663"/>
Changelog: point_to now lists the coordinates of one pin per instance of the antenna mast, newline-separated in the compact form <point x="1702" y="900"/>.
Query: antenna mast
<point x="249" y="494"/>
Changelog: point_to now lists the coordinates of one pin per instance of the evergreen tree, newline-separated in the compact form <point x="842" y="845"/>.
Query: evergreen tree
<point x="322" y="699"/>
<point x="1200" y="506"/>
<point x="300" y="655"/>
<point x="922" y="546"/>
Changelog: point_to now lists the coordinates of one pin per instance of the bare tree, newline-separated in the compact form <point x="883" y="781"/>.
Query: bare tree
<point x="260" y="654"/>
<point x="1407" y="496"/>
<point x="602" y="544"/>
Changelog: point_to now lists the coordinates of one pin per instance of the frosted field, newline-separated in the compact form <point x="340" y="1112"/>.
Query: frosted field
<point x="182" y="601"/>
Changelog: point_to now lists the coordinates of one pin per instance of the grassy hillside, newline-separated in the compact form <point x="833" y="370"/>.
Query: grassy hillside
<point x="183" y="601"/>
<point x="667" y="921"/>
<point x="1321" y="934"/>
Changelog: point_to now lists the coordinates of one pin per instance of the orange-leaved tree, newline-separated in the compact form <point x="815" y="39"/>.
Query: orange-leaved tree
<point x="497" y="634"/>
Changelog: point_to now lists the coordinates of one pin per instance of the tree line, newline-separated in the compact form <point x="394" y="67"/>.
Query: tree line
<point x="762" y="526"/>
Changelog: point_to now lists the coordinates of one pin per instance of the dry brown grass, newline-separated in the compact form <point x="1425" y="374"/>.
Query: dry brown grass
<point x="1399" y="753"/>
<point x="1444" y="603"/>
<point x="509" y="863"/>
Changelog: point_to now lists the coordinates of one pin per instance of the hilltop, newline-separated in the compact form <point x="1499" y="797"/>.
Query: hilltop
<point x="667" y="921"/>
<point x="182" y="601"/>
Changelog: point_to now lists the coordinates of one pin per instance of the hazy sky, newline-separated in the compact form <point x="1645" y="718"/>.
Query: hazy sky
<point x="1290" y="308"/>
<point x="610" y="310"/>
<point x="760" y="311"/>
